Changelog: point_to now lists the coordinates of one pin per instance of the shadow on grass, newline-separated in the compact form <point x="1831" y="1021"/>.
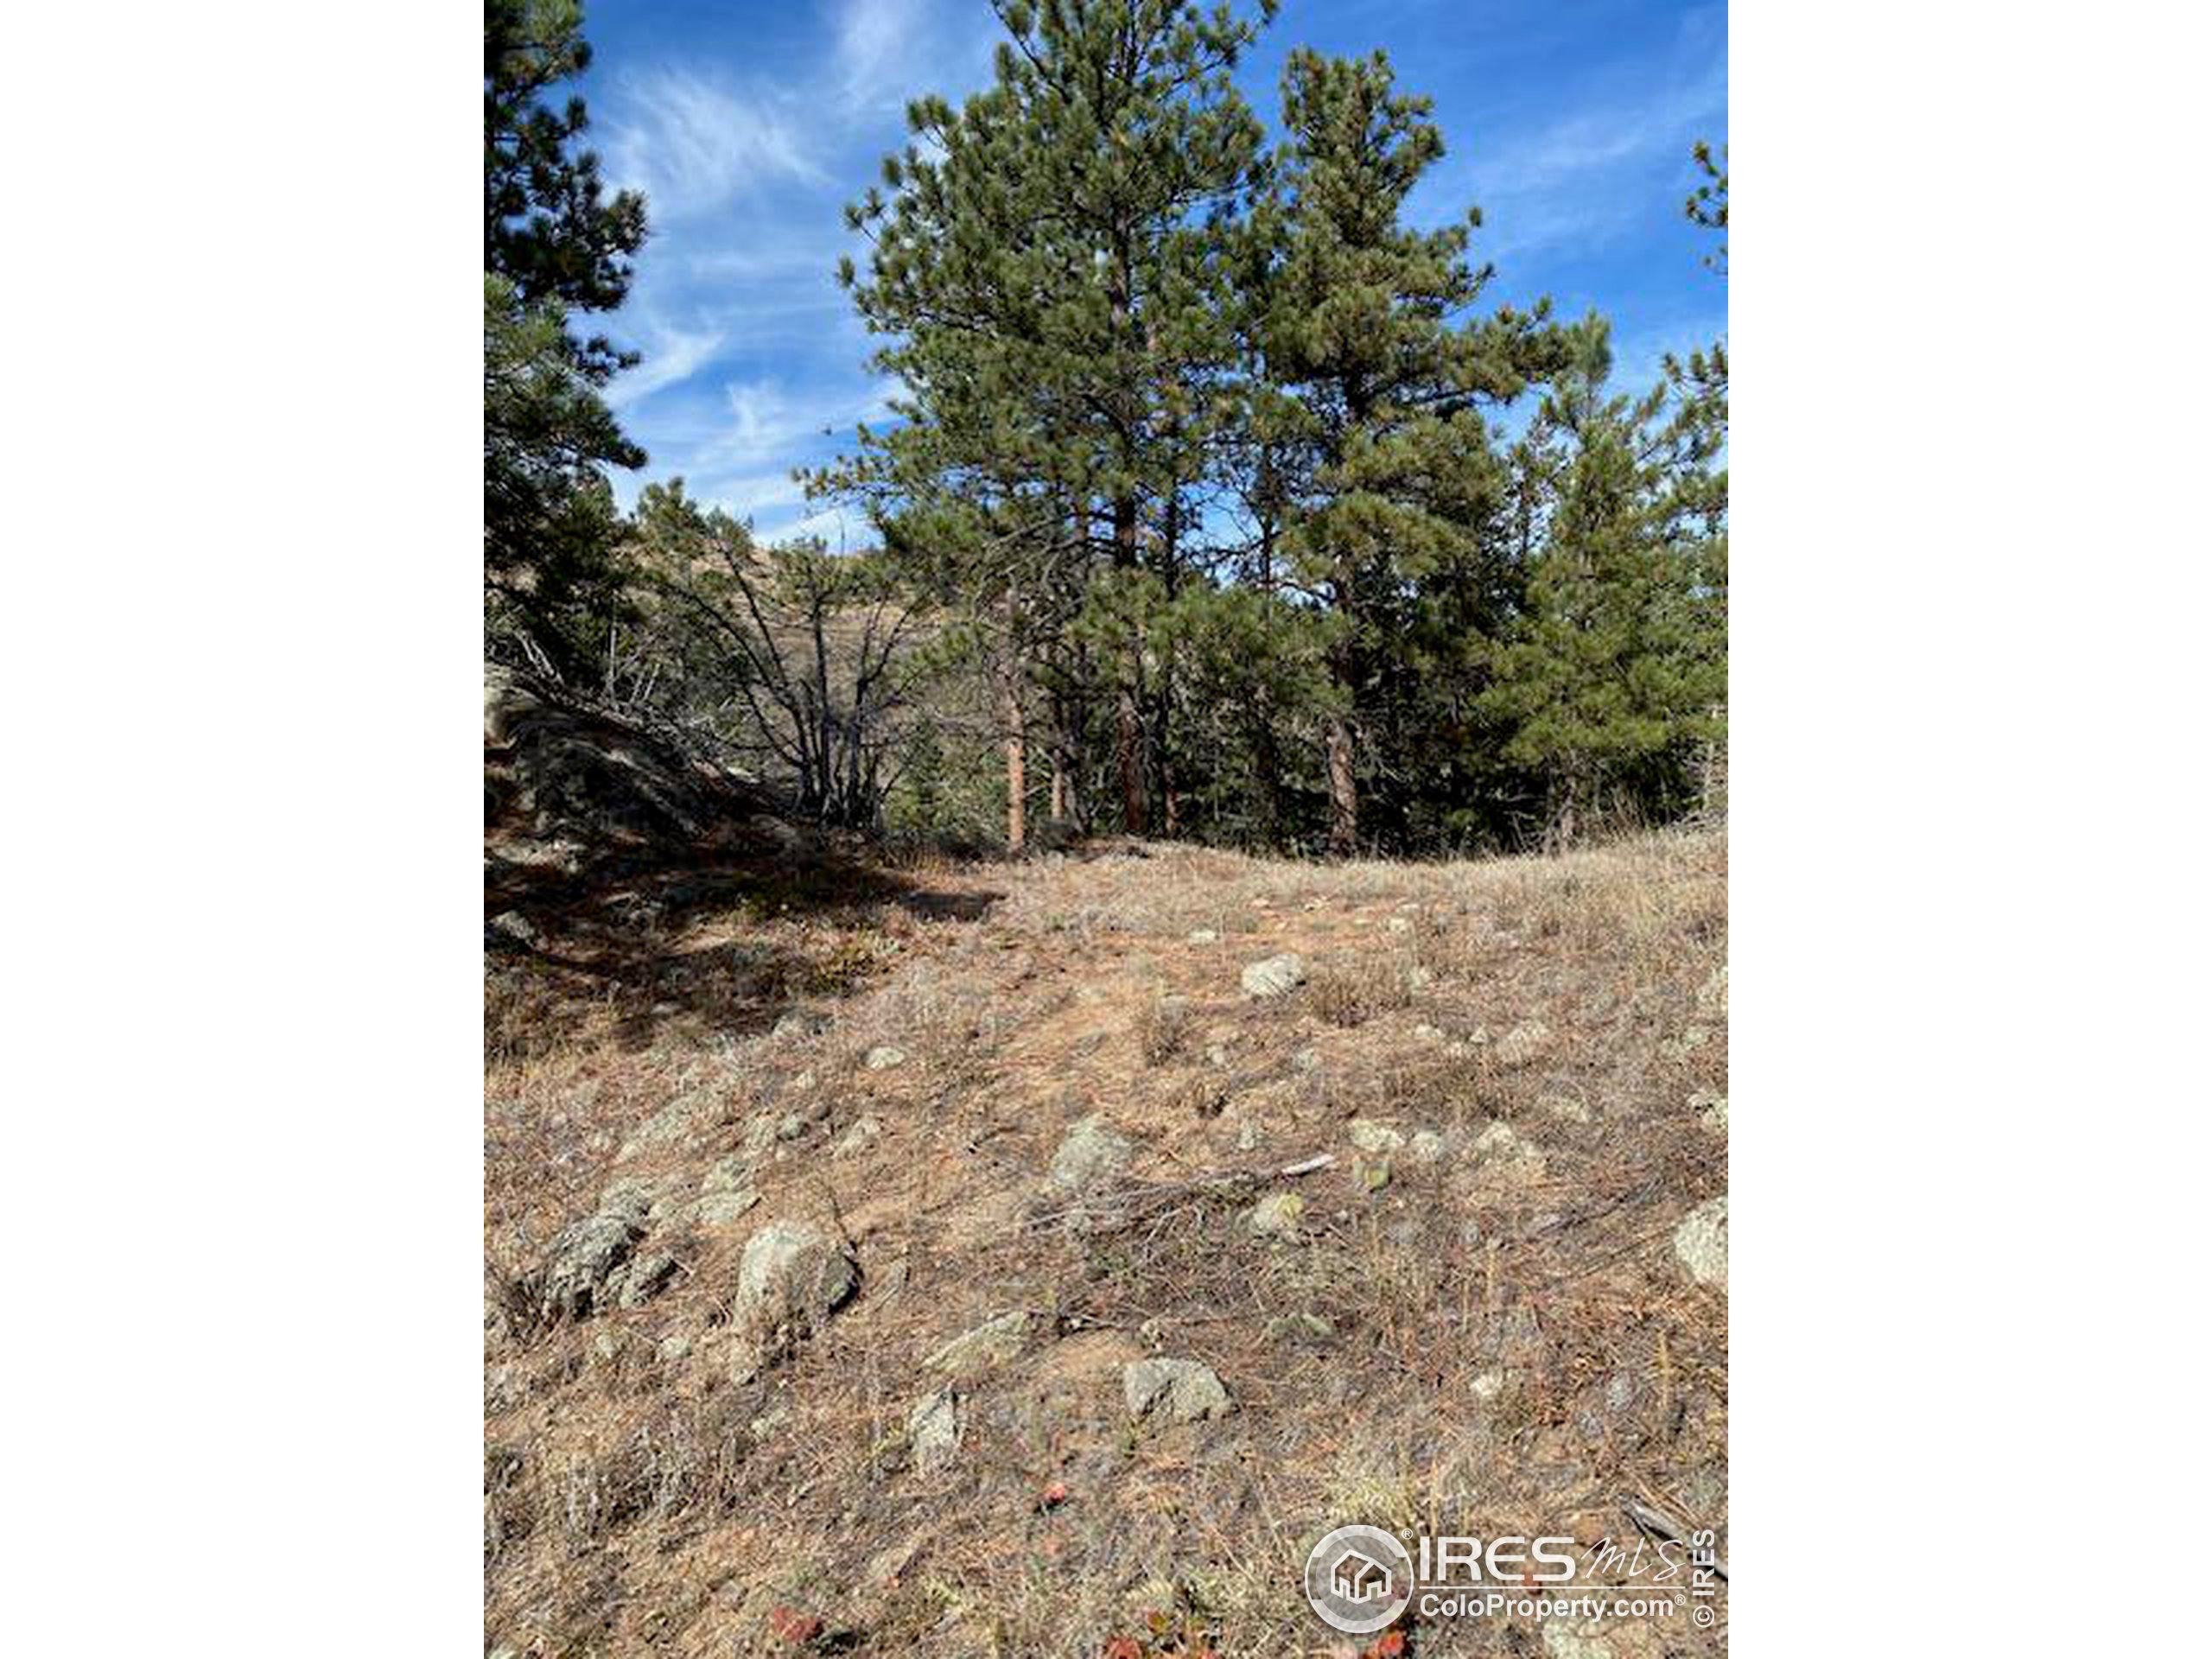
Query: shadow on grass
<point x="611" y="935"/>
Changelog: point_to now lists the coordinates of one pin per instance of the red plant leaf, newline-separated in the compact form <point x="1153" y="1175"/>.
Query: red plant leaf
<point x="797" y="1628"/>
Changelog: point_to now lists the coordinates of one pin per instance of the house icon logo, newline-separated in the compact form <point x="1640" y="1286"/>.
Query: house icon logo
<point x="1359" y="1577"/>
<point x="1359" y="1580"/>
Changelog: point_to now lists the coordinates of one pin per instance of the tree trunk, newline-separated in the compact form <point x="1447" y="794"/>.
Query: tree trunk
<point x="1267" y="761"/>
<point x="1017" y="764"/>
<point x="1128" y="745"/>
<point x="1128" y="736"/>
<point x="1344" y="790"/>
<point x="1267" y="757"/>
<point x="1060" y="790"/>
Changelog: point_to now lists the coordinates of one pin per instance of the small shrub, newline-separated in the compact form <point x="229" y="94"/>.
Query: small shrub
<point x="1353" y="995"/>
<point x="1162" y="1027"/>
<point x="846" y="966"/>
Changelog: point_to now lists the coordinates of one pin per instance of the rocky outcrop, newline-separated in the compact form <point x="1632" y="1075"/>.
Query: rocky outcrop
<point x="1276" y="977"/>
<point x="1701" y="1242"/>
<point x="991" y="1344"/>
<point x="1090" y="1157"/>
<point x="792" y="1278"/>
<point x="586" y="776"/>
<point x="1179" y="1390"/>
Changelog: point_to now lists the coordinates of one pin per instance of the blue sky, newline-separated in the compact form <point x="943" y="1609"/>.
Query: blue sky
<point x="749" y="126"/>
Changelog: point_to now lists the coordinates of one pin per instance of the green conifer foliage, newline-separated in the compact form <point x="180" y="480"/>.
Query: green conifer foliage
<point x="1047" y="270"/>
<point x="1616" y="671"/>
<point x="554" y="246"/>
<point x="1368" y="333"/>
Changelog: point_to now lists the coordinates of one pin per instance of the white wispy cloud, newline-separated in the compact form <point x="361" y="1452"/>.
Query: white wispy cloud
<point x="875" y="52"/>
<point x="670" y="354"/>
<point x="889" y="51"/>
<point x="1639" y="358"/>
<point x="751" y="348"/>
<point x="693" y="145"/>
<point x="1596" y="172"/>
<point x="767" y="417"/>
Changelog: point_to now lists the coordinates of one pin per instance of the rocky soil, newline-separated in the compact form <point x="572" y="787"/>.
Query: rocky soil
<point x="1024" y="1259"/>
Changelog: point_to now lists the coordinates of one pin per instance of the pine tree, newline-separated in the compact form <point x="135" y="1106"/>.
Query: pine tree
<point x="1391" y="385"/>
<point x="554" y="246"/>
<point x="1046" y="266"/>
<point x="1614" y="674"/>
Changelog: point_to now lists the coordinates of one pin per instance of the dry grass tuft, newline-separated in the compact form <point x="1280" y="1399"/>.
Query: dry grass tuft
<point x="1162" y="1029"/>
<point x="1350" y="994"/>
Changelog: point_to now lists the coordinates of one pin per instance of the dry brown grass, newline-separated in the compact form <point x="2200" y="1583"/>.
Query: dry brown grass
<point x="640" y="1499"/>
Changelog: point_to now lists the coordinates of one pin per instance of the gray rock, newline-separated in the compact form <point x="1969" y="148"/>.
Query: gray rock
<point x="680" y="1121"/>
<point x="513" y="925"/>
<point x="1091" y="1156"/>
<point x="1183" y="1390"/>
<point x="675" y="1349"/>
<point x="1419" y="978"/>
<point x="1427" y="1146"/>
<point x="1565" y="1107"/>
<point x="1713" y="995"/>
<point x="1277" y="1216"/>
<point x="1425" y="1033"/>
<point x="883" y="1057"/>
<point x="644" y="1278"/>
<point x="992" y="1343"/>
<point x="933" y="1431"/>
<point x="1601" y="1639"/>
<point x="802" y="1022"/>
<point x="1371" y="1136"/>
<point x="1312" y="1330"/>
<point x="1306" y="1060"/>
<point x="582" y="1256"/>
<point x="764" y="1426"/>
<point x="633" y="1200"/>
<point x="720" y="1208"/>
<point x="1204" y="935"/>
<point x="792" y="1278"/>
<point x="727" y="1175"/>
<point x="864" y="1132"/>
<point x="1701" y="1242"/>
<point x="1398" y="925"/>
<point x="1712" y="1108"/>
<point x="1276" y="977"/>
<point x="1679" y="1049"/>
<point x="1502" y="1155"/>
<point x="1524" y="1043"/>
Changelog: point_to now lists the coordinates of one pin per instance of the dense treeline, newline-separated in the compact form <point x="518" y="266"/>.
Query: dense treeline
<point x="1220" y="501"/>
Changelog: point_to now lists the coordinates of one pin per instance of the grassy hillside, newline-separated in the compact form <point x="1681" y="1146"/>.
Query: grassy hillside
<point x="1036" y="1102"/>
